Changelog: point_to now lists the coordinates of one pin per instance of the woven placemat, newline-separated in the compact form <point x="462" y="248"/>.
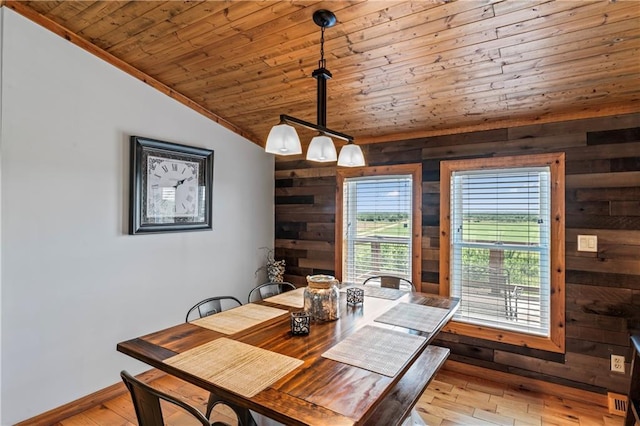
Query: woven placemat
<point x="413" y="316"/>
<point x="294" y="298"/>
<point x="240" y="318"/>
<point x="376" y="349"/>
<point x="379" y="292"/>
<point x="236" y="366"/>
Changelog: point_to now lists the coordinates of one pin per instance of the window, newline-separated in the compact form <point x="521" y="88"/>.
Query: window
<point x="378" y="223"/>
<point x="502" y="248"/>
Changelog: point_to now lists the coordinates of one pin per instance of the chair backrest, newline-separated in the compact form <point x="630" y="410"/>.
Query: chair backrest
<point x="211" y="306"/>
<point x="390" y="281"/>
<point x="146" y="401"/>
<point x="269" y="289"/>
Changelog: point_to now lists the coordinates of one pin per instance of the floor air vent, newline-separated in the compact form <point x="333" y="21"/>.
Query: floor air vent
<point x="617" y="404"/>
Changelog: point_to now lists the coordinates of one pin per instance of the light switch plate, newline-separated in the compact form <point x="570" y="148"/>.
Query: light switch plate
<point x="588" y="243"/>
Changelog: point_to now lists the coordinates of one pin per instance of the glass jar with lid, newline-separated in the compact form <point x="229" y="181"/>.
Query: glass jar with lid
<point x="322" y="298"/>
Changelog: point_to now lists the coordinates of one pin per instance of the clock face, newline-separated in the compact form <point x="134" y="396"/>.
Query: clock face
<point x="172" y="187"/>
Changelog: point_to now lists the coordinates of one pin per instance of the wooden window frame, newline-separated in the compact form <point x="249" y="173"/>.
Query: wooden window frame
<point x="415" y="170"/>
<point x="556" y="162"/>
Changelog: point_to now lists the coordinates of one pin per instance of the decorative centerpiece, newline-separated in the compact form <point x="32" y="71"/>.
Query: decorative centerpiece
<point x="300" y="323"/>
<point x="275" y="271"/>
<point x="322" y="298"/>
<point x="355" y="296"/>
<point x="275" y="268"/>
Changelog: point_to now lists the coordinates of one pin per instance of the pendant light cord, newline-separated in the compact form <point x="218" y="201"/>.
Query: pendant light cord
<point x="321" y="62"/>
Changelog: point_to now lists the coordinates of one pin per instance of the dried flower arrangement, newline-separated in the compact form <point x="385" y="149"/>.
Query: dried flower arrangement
<point x="275" y="268"/>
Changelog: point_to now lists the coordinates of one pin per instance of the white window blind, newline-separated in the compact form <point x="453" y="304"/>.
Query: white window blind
<point x="500" y="228"/>
<point x="377" y="227"/>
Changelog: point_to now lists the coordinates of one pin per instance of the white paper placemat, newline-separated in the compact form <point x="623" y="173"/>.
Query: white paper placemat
<point x="379" y="292"/>
<point x="414" y="316"/>
<point x="376" y="349"/>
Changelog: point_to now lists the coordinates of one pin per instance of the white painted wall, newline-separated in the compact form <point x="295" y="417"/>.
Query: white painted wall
<point x="73" y="282"/>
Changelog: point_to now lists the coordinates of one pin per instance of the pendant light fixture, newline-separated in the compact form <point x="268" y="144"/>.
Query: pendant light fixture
<point x="283" y="138"/>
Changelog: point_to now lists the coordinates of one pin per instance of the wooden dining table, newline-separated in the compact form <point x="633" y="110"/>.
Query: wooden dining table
<point x="318" y="389"/>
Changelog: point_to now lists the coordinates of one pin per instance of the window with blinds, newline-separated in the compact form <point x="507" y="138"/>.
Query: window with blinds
<point x="377" y="227"/>
<point x="500" y="248"/>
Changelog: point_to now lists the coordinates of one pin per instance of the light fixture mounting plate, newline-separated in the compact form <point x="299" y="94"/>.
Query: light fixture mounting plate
<point x="324" y="18"/>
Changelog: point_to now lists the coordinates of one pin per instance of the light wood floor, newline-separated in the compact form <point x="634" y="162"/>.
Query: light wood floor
<point x="451" y="399"/>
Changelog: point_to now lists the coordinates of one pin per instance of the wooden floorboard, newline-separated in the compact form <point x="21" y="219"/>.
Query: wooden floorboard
<point x="452" y="398"/>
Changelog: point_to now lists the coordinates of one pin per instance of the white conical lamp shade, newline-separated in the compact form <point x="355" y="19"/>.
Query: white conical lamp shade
<point x="351" y="156"/>
<point x="322" y="149"/>
<point x="283" y="140"/>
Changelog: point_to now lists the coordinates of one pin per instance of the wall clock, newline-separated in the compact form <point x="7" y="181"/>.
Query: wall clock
<point x="171" y="187"/>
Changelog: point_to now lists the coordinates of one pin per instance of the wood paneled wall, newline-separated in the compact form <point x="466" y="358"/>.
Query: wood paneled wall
<point x="602" y="198"/>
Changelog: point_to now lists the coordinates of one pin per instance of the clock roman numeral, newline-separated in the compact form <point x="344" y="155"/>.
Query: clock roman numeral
<point x="165" y="168"/>
<point x="174" y="167"/>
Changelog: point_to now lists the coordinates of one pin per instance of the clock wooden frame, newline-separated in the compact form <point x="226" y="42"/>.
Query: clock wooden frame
<point x="144" y="154"/>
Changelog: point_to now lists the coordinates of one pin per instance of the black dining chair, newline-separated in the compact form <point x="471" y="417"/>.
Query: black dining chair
<point x="146" y="401"/>
<point x="210" y="306"/>
<point x="269" y="289"/>
<point x="390" y="281"/>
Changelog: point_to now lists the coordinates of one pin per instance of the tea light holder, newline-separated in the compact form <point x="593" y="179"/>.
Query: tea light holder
<point x="355" y="296"/>
<point x="300" y="322"/>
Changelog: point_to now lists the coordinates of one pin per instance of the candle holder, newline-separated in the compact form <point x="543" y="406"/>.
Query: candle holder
<point x="300" y="322"/>
<point x="355" y="296"/>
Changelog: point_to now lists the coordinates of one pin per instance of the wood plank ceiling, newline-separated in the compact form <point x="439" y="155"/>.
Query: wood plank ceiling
<point x="400" y="68"/>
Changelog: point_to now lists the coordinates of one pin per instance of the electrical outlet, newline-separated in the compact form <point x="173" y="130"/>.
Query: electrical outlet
<point x="617" y="363"/>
